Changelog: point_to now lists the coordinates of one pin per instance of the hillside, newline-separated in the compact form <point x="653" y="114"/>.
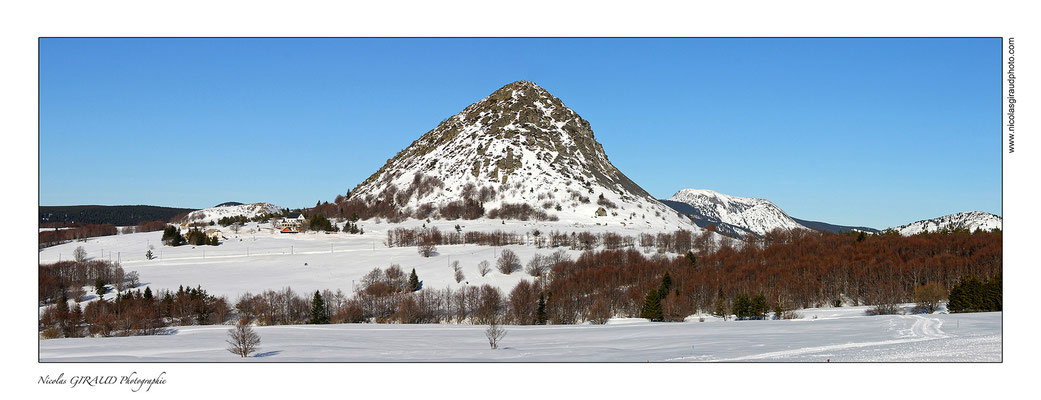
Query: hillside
<point x="116" y="215"/>
<point x="216" y="213"/>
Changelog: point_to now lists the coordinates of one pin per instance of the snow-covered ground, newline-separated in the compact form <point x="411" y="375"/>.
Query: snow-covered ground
<point x="256" y="259"/>
<point x="837" y="335"/>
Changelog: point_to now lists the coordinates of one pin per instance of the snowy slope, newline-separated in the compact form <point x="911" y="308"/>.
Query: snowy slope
<point x="971" y="220"/>
<point x="732" y="214"/>
<point x="248" y="210"/>
<point x="530" y="148"/>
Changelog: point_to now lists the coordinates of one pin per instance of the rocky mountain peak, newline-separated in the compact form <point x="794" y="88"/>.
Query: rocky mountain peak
<point x="520" y="139"/>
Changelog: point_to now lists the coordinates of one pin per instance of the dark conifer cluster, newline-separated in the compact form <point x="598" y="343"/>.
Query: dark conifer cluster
<point x="974" y="295"/>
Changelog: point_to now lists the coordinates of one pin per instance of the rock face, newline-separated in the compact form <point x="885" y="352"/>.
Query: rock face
<point x="734" y="215"/>
<point x="527" y="146"/>
<point x="971" y="220"/>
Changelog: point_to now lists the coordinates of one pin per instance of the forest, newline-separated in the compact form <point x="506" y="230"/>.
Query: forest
<point x="115" y="215"/>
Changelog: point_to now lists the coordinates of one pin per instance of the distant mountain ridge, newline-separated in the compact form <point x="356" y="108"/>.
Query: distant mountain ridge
<point x="116" y="215"/>
<point x="733" y="215"/>
<point x="824" y="226"/>
<point x="971" y="220"/>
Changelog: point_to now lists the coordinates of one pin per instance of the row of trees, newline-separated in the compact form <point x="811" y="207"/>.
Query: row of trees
<point x="58" y="236"/>
<point x="68" y="278"/>
<point x="135" y="312"/>
<point x="679" y="242"/>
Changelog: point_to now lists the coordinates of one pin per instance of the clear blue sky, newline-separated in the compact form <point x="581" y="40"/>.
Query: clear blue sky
<point x="875" y="132"/>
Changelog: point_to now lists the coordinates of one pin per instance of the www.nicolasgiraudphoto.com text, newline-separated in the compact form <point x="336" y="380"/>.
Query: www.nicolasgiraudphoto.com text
<point x="1011" y="79"/>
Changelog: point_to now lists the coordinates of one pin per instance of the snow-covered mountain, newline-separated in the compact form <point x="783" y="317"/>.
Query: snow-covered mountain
<point x="731" y="214"/>
<point x="971" y="220"/>
<point x="524" y="144"/>
<point x="221" y="211"/>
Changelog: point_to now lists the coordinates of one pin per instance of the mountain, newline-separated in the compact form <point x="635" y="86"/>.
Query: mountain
<point x="522" y="154"/>
<point x="116" y="215"/>
<point x="824" y="226"/>
<point x="733" y="215"/>
<point x="229" y="203"/>
<point x="971" y="220"/>
<point x="248" y="210"/>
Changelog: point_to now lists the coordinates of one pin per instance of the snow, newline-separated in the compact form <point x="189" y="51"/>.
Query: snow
<point x="560" y="168"/>
<point x="971" y="220"/>
<point x="757" y="215"/>
<point x="333" y="261"/>
<point x="249" y="210"/>
<point x="850" y="338"/>
<point x="257" y="258"/>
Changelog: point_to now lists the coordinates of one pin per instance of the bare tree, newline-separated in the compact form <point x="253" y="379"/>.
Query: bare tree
<point x="494" y="333"/>
<point x="483" y="268"/>
<point x="427" y="248"/>
<point x="242" y="339"/>
<point x="508" y="262"/>
<point x="133" y="279"/>
<point x="459" y="276"/>
<point x="235" y="227"/>
<point x="79" y="254"/>
<point x="119" y="278"/>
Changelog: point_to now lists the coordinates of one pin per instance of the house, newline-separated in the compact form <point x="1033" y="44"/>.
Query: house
<point x="290" y="223"/>
<point x="294" y="220"/>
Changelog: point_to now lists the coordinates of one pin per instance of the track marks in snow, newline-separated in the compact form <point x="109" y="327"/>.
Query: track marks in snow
<point x="921" y="329"/>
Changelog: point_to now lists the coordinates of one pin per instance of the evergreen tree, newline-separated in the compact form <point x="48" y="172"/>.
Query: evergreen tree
<point x="666" y="282"/>
<point x="758" y="307"/>
<point x="99" y="288"/>
<point x="742" y="306"/>
<point x="148" y="293"/>
<point x="318" y="313"/>
<point x="540" y="310"/>
<point x="413" y="281"/>
<point x="652" y="307"/>
<point x="149" y="255"/>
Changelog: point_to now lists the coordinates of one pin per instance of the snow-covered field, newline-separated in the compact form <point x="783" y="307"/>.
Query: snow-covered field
<point x="257" y="259"/>
<point x="254" y="262"/>
<point x="837" y="335"/>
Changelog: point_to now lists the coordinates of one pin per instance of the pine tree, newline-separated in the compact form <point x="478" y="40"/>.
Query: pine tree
<point x="148" y="254"/>
<point x="148" y="293"/>
<point x="318" y="314"/>
<point x="413" y="281"/>
<point x="652" y="307"/>
<point x="742" y="306"/>
<point x="99" y="288"/>
<point x="759" y="307"/>
<point x="540" y="310"/>
<point x="666" y="282"/>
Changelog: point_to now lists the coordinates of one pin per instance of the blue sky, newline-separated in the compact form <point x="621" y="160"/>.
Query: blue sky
<point x="874" y="132"/>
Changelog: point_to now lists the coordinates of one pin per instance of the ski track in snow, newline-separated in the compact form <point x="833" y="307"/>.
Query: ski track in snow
<point x="922" y="329"/>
